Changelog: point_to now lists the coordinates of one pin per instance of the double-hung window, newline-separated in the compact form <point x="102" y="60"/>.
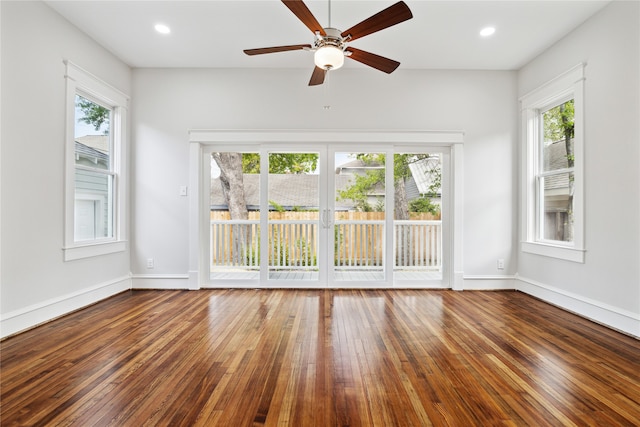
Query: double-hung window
<point x="553" y="158"/>
<point x="94" y="180"/>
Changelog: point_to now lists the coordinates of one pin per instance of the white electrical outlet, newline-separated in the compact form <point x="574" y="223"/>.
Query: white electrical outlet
<point x="500" y="264"/>
<point x="150" y="263"/>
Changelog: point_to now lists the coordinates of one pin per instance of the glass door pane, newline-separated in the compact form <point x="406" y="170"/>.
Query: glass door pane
<point x="417" y="225"/>
<point x="359" y="217"/>
<point x="293" y="217"/>
<point x="234" y="245"/>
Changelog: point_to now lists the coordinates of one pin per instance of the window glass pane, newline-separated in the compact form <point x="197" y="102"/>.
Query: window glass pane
<point x="557" y="149"/>
<point x="557" y="207"/>
<point x="235" y="216"/>
<point x="417" y="225"/>
<point x="93" y="205"/>
<point x="294" y="220"/>
<point x="92" y="134"/>
<point x="359" y="219"/>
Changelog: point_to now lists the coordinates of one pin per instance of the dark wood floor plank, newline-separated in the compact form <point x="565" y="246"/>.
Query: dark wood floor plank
<point x="320" y="358"/>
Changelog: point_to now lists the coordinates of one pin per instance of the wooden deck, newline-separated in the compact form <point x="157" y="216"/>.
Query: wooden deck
<point x="320" y="358"/>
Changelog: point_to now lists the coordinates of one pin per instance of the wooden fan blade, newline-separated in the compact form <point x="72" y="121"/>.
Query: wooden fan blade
<point x="372" y="60"/>
<point x="392" y="15"/>
<point x="317" y="78"/>
<point x="304" y="14"/>
<point x="275" y="49"/>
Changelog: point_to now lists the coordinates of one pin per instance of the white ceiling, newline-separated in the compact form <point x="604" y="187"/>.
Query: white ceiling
<point x="213" y="33"/>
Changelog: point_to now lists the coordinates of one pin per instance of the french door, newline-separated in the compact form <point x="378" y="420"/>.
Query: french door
<point x="327" y="215"/>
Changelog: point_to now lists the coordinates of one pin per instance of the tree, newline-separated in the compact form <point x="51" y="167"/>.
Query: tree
<point x="231" y="180"/>
<point x="559" y="125"/>
<point x="424" y="204"/>
<point x="281" y="163"/>
<point x="93" y="114"/>
<point x="364" y="185"/>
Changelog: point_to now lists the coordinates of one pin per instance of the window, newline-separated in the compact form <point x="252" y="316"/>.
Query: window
<point x="94" y="201"/>
<point x="94" y="174"/>
<point x="552" y="116"/>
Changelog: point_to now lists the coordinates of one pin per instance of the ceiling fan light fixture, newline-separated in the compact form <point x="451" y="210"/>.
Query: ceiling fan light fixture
<point x="329" y="57"/>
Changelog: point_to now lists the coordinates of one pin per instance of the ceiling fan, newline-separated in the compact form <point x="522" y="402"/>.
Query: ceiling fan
<point x="330" y="44"/>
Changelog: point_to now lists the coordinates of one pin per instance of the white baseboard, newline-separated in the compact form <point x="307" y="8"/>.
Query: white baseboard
<point x="29" y="317"/>
<point x="160" y="281"/>
<point x="613" y="317"/>
<point x="194" y="280"/>
<point x="488" y="283"/>
<point x="457" y="281"/>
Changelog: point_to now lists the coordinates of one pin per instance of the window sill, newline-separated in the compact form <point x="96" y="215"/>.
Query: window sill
<point x="93" y="249"/>
<point x="554" y="251"/>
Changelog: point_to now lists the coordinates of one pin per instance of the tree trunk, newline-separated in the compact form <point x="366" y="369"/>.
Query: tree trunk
<point x="401" y="205"/>
<point x="401" y="212"/>
<point x="231" y="179"/>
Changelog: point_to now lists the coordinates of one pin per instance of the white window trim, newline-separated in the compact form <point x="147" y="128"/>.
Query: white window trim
<point x="77" y="80"/>
<point x="569" y="85"/>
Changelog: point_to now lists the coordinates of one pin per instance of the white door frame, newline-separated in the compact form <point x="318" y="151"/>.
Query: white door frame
<point x="203" y="142"/>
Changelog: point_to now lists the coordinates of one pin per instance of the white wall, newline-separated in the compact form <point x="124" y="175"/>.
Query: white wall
<point x="607" y="286"/>
<point x="168" y="103"/>
<point x="36" y="284"/>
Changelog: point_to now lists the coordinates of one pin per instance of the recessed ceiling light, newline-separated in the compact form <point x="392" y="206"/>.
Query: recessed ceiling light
<point x="487" y="31"/>
<point x="162" y="29"/>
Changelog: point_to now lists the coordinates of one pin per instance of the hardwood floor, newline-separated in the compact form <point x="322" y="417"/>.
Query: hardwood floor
<point x="323" y="358"/>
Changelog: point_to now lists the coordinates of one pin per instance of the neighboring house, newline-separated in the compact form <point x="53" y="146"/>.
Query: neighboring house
<point x="358" y="167"/>
<point x="415" y="186"/>
<point x="290" y="191"/>
<point x="422" y="178"/>
<point x="92" y="212"/>
<point x="558" y="192"/>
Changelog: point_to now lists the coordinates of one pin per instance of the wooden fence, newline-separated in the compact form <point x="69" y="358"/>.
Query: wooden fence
<point x="359" y="240"/>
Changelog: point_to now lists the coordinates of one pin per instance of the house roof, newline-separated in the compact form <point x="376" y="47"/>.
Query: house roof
<point x="90" y="153"/>
<point x="96" y="142"/>
<point x="555" y="157"/>
<point x="286" y="190"/>
<point x="421" y="172"/>
<point x="358" y="164"/>
<point x="93" y="149"/>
